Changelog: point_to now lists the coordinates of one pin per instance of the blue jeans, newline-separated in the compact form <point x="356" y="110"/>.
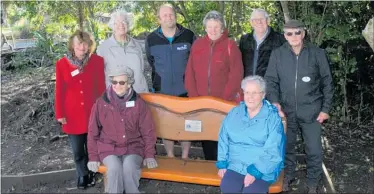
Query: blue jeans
<point x="79" y="146"/>
<point x="233" y="182"/>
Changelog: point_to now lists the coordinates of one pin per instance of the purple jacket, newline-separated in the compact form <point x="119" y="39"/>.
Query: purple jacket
<point x="115" y="132"/>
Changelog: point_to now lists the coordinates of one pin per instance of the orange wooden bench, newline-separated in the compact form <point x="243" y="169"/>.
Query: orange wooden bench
<point x="191" y="119"/>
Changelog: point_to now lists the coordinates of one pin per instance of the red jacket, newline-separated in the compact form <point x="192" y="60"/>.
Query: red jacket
<point x="214" y="68"/>
<point x="76" y="94"/>
<point x="113" y="131"/>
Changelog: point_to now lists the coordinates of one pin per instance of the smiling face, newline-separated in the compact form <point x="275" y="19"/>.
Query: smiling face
<point x="120" y="84"/>
<point x="214" y="29"/>
<point x="294" y="36"/>
<point x="120" y="25"/>
<point x="253" y="95"/>
<point x="167" y="17"/>
<point x="80" y="47"/>
<point x="259" y="22"/>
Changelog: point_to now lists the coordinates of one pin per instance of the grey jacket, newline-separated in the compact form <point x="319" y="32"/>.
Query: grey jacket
<point x="131" y="56"/>
<point x="302" y="84"/>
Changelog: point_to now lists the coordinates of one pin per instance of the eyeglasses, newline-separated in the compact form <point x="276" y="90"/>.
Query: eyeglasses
<point x="120" y="23"/>
<point x="114" y="82"/>
<point x="258" y="20"/>
<point x="297" y="33"/>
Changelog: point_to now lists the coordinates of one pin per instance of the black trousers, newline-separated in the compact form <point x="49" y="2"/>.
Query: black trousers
<point x="210" y="149"/>
<point x="79" y="146"/>
<point x="311" y="135"/>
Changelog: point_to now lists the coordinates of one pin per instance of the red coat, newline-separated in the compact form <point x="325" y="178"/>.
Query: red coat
<point x="116" y="131"/>
<point x="76" y="94"/>
<point x="214" y="69"/>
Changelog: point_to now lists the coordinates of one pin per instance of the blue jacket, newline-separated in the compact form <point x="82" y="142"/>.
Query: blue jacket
<point x="255" y="146"/>
<point x="169" y="59"/>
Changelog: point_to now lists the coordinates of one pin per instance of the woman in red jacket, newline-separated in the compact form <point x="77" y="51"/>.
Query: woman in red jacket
<point x="79" y="82"/>
<point x="214" y="68"/>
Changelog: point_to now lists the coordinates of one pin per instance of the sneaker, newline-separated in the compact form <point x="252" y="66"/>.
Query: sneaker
<point x="91" y="179"/>
<point x="82" y="182"/>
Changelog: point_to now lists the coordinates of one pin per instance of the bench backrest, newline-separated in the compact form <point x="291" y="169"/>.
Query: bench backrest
<point x="197" y="118"/>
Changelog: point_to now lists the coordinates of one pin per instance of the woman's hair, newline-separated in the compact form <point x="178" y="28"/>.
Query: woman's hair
<point x="123" y="71"/>
<point x="82" y="37"/>
<point x="129" y="19"/>
<point x="214" y="15"/>
<point x="254" y="78"/>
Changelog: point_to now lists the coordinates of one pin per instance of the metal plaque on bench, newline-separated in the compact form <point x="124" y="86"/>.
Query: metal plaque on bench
<point x="192" y="125"/>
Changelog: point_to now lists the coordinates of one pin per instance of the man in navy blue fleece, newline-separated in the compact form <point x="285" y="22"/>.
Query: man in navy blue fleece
<point x="168" y="49"/>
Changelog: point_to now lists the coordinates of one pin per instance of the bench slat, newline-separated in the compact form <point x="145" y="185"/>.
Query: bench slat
<point x="190" y="171"/>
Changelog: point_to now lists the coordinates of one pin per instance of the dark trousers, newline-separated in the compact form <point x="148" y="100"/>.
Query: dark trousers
<point x="79" y="146"/>
<point x="311" y="134"/>
<point x="233" y="182"/>
<point x="210" y="149"/>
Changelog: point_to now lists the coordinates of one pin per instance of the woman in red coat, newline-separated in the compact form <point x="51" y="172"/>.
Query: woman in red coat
<point x="214" y="68"/>
<point x="79" y="82"/>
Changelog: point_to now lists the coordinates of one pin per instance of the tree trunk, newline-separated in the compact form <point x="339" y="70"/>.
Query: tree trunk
<point x="229" y="24"/>
<point x="183" y="11"/>
<point x="221" y="7"/>
<point x="286" y="11"/>
<point x="80" y="14"/>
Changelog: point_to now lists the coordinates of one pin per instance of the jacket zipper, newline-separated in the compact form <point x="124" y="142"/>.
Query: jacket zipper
<point x="171" y="65"/>
<point x="209" y="64"/>
<point x="297" y="69"/>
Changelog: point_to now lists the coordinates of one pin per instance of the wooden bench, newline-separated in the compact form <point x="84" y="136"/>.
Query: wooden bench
<point x="171" y="115"/>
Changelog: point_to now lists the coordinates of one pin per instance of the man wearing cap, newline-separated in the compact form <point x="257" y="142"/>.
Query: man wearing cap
<point x="301" y="85"/>
<point x="256" y="47"/>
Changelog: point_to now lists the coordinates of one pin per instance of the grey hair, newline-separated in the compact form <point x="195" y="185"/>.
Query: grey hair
<point x="127" y="71"/>
<point x="129" y="19"/>
<point x="214" y="15"/>
<point x="258" y="10"/>
<point x="254" y="78"/>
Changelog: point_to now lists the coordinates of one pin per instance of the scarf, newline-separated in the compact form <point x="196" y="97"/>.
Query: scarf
<point x="75" y="61"/>
<point x="119" y="101"/>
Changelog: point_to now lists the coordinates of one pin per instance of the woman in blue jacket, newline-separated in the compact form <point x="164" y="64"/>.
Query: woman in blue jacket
<point x="251" y="142"/>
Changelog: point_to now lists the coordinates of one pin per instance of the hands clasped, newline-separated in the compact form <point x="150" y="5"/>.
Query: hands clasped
<point x="93" y="166"/>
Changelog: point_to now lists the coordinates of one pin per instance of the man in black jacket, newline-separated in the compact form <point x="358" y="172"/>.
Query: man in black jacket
<point x="301" y="85"/>
<point x="256" y="47"/>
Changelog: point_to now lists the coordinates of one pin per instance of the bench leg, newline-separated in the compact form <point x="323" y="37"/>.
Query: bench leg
<point x="105" y="183"/>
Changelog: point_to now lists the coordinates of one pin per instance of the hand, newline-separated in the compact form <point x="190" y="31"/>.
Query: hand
<point x="93" y="166"/>
<point x="248" y="179"/>
<point x="322" y="117"/>
<point x="221" y="172"/>
<point x="150" y="163"/>
<point x="280" y="112"/>
<point x="62" y="121"/>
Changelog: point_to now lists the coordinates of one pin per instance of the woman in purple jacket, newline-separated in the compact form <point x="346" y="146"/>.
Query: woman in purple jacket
<point x="121" y="134"/>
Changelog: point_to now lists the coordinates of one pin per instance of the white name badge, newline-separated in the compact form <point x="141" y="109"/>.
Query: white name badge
<point x="130" y="104"/>
<point x="192" y="125"/>
<point x="75" y="72"/>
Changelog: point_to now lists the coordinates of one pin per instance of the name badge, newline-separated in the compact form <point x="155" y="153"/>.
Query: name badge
<point x="75" y="72"/>
<point x="130" y="104"/>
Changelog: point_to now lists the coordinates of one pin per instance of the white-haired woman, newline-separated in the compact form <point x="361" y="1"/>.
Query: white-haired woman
<point x="214" y="68"/>
<point x="122" y="50"/>
<point x="251" y="142"/>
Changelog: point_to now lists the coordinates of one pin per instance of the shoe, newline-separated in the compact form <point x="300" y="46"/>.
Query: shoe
<point x="91" y="179"/>
<point x="82" y="182"/>
<point x="287" y="183"/>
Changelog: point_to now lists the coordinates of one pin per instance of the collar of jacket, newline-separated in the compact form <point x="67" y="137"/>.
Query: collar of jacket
<point x="224" y="36"/>
<point x="262" y="114"/>
<point x="179" y="31"/>
<point x="306" y="45"/>
<point x="130" y="41"/>
<point x="106" y="99"/>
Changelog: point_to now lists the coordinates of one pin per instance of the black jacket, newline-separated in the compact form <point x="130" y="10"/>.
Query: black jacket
<point x="169" y="60"/>
<point x="302" y="84"/>
<point x="248" y="46"/>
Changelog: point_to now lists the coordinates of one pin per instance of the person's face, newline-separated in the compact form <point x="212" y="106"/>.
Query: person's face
<point x="120" y="84"/>
<point x="120" y="26"/>
<point x="80" y="48"/>
<point x="253" y="95"/>
<point x="259" y="23"/>
<point x="294" y="36"/>
<point x="214" y="29"/>
<point x="167" y="17"/>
